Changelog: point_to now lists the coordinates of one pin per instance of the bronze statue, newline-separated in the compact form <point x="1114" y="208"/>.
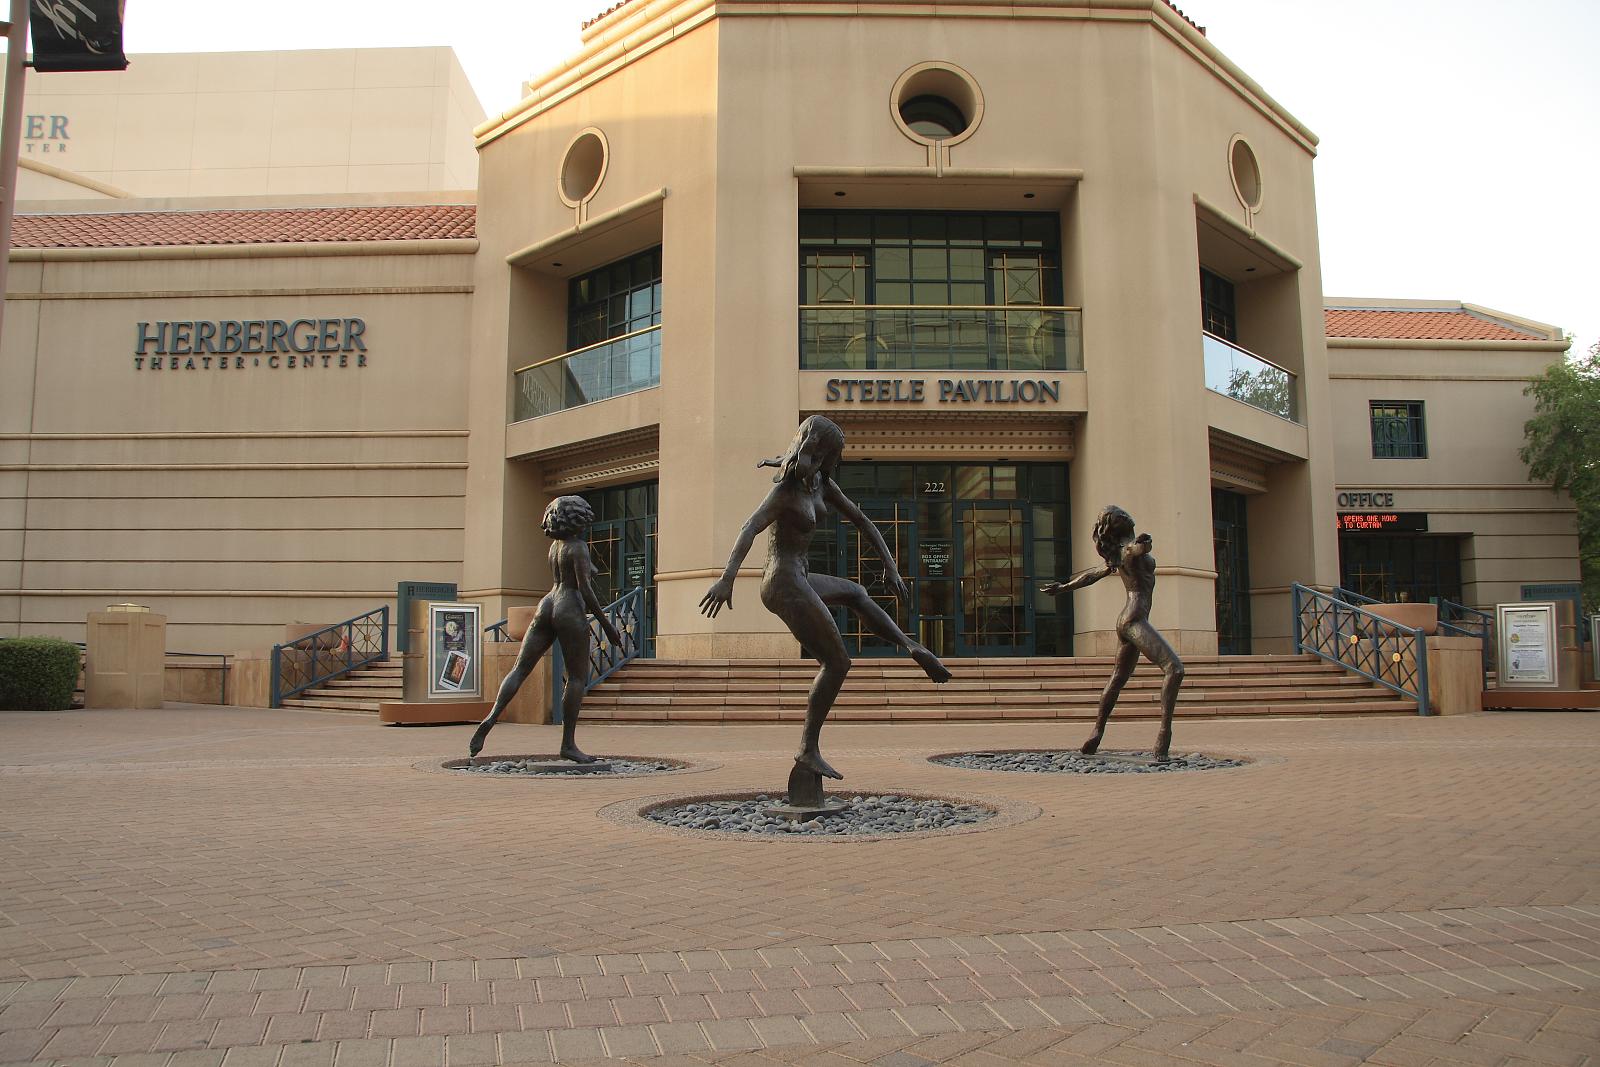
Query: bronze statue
<point x="563" y="615"/>
<point x="804" y="492"/>
<point x="1130" y="557"/>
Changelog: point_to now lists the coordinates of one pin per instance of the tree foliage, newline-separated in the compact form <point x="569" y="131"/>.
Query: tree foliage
<point x="1563" y="447"/>
<point x="1267" y="389"/>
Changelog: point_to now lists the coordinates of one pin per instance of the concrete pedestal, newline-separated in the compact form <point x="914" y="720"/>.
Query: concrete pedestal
<point x="125" y="664"/>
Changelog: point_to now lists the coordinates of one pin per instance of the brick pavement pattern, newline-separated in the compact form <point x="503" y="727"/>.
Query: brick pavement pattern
<point x="207" y="886"/>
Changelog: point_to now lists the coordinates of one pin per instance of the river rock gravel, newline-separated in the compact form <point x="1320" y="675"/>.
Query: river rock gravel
<point x="1071" y="761"/>
<point x="867" y="814"/>
<point x="534" y="768"/>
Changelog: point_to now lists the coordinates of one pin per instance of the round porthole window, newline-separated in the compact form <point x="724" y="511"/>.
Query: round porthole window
<point x="936" y="103"/>
<point x="583" y="167"/>
<point x="1246" y="173"/>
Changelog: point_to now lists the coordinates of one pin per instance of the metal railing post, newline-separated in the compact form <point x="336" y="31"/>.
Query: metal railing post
<point x="1294" y="600"/>
<point x="277" y="654"/>
<point x="1423" y="706"/>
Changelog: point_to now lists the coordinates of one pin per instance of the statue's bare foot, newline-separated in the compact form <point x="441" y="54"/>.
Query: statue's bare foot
<point x="811" y="759"/>
<point x="575" y="754"/>
<point x="1091" y="746"/>
<point x="1163" y="744"/>
<point x="936" y="671"/>
<point x="476" y="745"/>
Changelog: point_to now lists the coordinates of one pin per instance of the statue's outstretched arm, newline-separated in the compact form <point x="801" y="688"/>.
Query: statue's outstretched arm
<point x="1078" y="581"/>
<point x="721" y="592"/>
<point x="835" y="498"/>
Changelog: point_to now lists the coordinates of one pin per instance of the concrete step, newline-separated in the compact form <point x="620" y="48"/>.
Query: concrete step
<point x="1076" y="713"/>
<point x="352" y="707"/>
<point x="885" y="690"/>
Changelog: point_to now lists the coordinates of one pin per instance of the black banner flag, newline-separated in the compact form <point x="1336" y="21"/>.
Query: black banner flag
<point x="77" y="35"/>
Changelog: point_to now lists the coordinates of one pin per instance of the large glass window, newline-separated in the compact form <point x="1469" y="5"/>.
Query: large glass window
<point x="1401" y="568"/>
<point x="913" y="290"/>
<point x="613" y="340"/>
<point x="1218" y="313"/>
<point x="619" y="298"/>
<point x="1397" y="430"/>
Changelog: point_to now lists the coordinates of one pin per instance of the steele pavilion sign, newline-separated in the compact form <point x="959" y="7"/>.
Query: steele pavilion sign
<point x="945" y="390"/>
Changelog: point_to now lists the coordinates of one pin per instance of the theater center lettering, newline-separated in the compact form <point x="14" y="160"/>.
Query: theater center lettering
<point x="238" y="344"/>
<point x="945" y="390"/>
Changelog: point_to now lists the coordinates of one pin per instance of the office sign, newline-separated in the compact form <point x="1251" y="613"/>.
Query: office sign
<point x="944" y="390"/>
<point x="404" y="594"/>
<point x="1525" y="634"/>
<point x="77" y="35"/>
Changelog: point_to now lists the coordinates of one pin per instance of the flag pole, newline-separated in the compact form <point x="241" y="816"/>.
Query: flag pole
<point x="11" y="135"/>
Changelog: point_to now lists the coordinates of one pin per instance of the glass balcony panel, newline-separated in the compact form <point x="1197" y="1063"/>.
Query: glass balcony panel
<point x="927" y="337"/>
<point x="614" y="367"/>
<point x="1241" y="374"/>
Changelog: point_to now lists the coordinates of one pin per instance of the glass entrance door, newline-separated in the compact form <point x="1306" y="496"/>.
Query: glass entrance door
<point x="992" y="542"/>
<point x="1230" y="538"/>
<point x="622" y="544"/>
<point x="894" y="519"/>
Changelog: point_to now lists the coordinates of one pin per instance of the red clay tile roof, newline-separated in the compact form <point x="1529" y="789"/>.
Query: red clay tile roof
<point x="1420" y="324"/>
<point x="148" y="228"/>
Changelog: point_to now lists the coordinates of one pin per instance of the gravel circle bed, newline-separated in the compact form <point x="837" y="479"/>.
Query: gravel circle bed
<point x="1071" y="761"/>
<point x="870" y="816"/>
<point x="524" y="766"/>
<point x="867" y="813"/>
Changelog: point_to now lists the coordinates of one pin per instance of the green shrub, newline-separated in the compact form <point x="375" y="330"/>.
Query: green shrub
<point x="37" y="673"/>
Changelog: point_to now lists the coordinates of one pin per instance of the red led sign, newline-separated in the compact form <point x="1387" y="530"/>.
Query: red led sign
<point x="1383" y="521"/>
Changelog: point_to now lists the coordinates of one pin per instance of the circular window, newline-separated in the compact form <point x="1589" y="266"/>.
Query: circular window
<point x="936" y="103"/>
<point x="583" y="167"/>
<point x="1246" y="173"/>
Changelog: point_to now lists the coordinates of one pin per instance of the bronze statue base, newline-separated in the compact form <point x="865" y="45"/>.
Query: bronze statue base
<point x="806" y="798"/>
<point x="561" y="766"/>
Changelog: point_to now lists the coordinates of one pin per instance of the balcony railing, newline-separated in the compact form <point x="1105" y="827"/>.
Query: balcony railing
<point x="921" y="337"/>
<point x="608" y="368"/>
<point x="1245" y="376"/>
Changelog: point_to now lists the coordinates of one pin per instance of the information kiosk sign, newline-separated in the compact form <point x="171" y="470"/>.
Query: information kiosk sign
<point x="1526" y="638"/>
<point x="455" y="651"/>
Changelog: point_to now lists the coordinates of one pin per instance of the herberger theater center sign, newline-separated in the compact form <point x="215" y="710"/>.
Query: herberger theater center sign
<point x="235" y="344"/>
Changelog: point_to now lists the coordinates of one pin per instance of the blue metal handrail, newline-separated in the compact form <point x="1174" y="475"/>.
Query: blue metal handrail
<point x="627" y="615"/>
<point x="308" y="661"/>
<point x="497" y="632"/>
<point x="1455" y="620"/>
<point x="1379" y="649"/>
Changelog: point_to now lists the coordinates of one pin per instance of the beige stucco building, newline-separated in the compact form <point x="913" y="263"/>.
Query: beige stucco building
<point x="1033" y="260"/>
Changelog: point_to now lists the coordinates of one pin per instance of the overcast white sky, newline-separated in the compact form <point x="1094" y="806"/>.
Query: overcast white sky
<point x="1460" y="154"/>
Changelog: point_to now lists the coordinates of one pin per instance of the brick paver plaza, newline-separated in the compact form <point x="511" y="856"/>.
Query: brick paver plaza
<point x="202" y="886"/>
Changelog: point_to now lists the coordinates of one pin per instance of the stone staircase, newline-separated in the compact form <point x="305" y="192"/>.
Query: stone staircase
<point x="357" y="692"/>
<point x="888" y="690"/>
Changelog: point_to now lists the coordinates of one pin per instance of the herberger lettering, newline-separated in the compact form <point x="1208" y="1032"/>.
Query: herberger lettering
<point x="306" y="342"/>
<point x="949" y="390"/>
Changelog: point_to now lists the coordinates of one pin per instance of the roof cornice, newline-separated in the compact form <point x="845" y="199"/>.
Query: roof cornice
<point x="638" y="28"/>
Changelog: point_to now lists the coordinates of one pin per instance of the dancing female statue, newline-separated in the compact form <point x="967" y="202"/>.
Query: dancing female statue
<point x="1130" y="557"/>
<point x="563" y="615"/>
<point x="804" y="492"/>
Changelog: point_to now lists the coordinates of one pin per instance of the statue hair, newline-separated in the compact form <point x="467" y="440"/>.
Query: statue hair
<point x="1112" y="530"/>
<point x="817" y="427"/>
<point x="565" y="516"/>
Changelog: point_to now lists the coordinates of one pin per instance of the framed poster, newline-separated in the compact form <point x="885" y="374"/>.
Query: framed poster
<point x="1526" y="638"/>
<point x="455" y="650"/>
